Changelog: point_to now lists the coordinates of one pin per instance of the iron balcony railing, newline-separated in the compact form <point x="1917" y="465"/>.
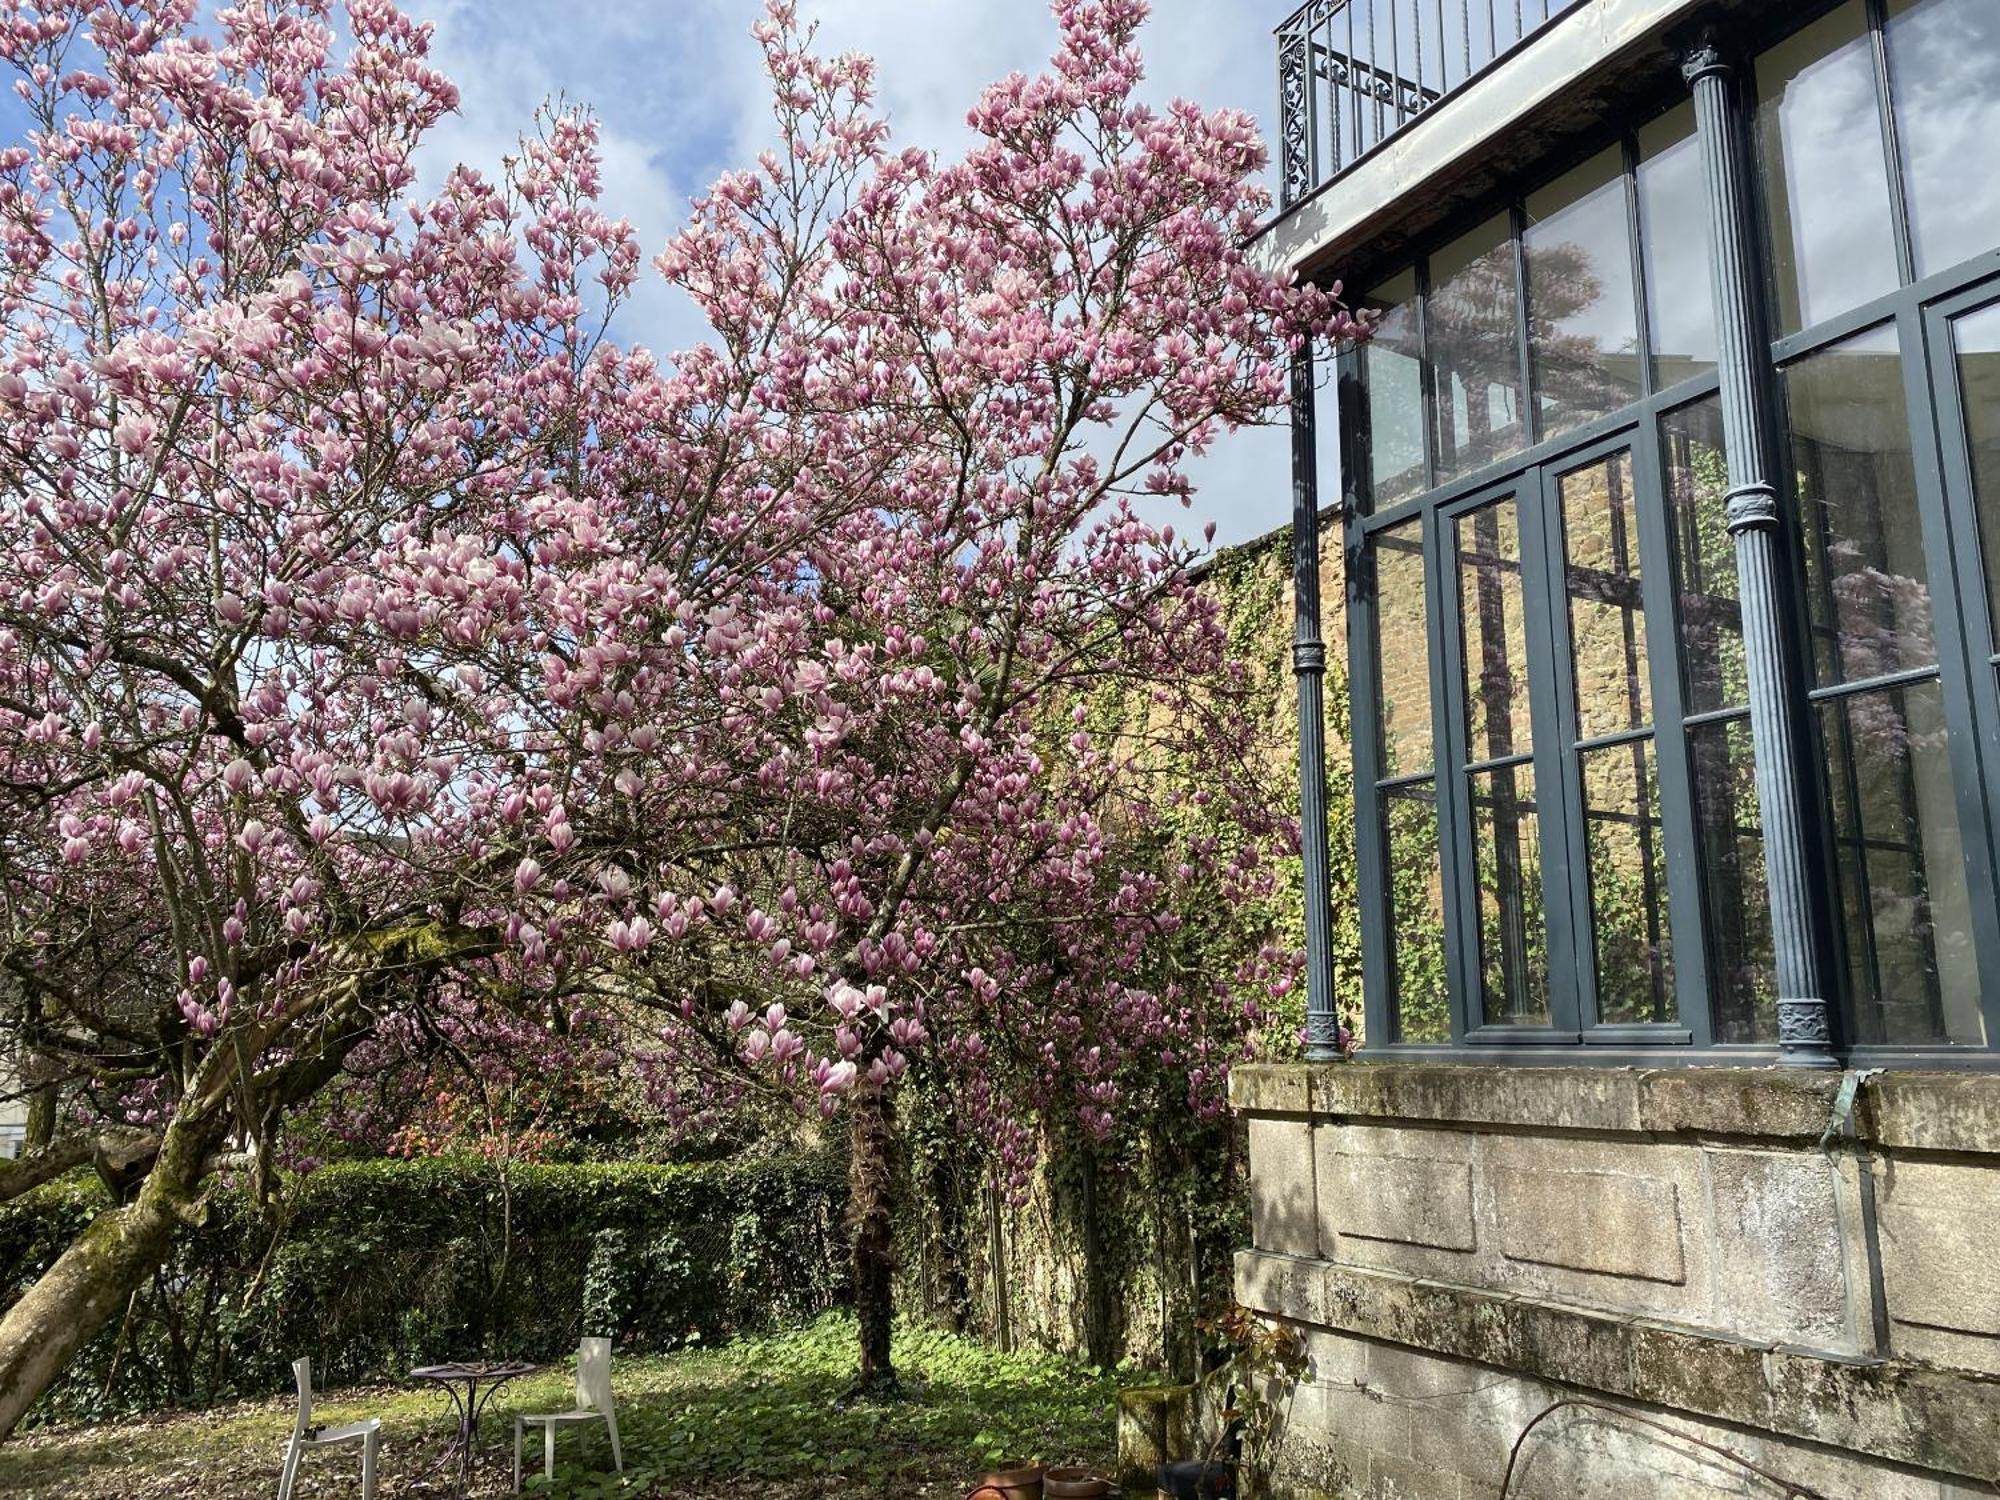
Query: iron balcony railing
<point x="1351" y="73"/>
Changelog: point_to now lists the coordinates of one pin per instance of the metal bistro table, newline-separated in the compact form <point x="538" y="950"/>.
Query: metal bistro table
<point x="462" y="1381"/>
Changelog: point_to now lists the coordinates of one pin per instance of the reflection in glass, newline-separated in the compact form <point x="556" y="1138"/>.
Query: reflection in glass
<point x="1513" y="930"/>
<point x="1826" y="188"/>
<point x="1402" y="650"/>
<point x="1736" y="903"/>
<point x="1976" y="339"/>
<point x="1493" y="617"/>
<point x="1607" y="615"/>
<point x="1906" y="919"/>
<point x="1474" y="342"/>
<point x="1867" y="592"/>
<point x="1418" y="987"/>
<point x="1673" y="243"/>
<point x="1394" y="375"/>
<point x="1628" y="884"/>
<point x="1944" y="67"/>
<point x="1710" y="615"/>
<point x="1583" y="325"/>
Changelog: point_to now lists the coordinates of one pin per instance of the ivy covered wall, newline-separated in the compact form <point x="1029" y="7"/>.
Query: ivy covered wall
<point x="1120" y="1246"/>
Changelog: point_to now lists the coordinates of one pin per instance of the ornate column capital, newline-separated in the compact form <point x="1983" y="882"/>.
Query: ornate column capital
<point x="1701" y="56"/>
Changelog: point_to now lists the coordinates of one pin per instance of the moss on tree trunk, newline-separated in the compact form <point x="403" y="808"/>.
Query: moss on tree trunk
<point x="871" y="1190"/>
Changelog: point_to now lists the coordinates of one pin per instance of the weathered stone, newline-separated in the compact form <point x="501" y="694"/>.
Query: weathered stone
<point x="1334" y="1358"/>
<point x="1781" y="1103"/>
<point x="1270" y="1088"/>
<point x="1610" y="1223"/>
<point x="1558" y="1345"/>
<point x="1674" y="1367"/>
<point x="1285" y="1286"/>
<point x="1153" y="1423"/>
<point x="1549" y="1098"/>
<point x="1367" y="1417"/>
<point x="1409" y="1200"/>
<point x="1933" y="1111"/>
<point x="1939" y="1226"/>
<point x="1957" y="1421"/>
<point x="1283" y="1212"/>
<point x="1394" y="1478"/>
<point x="1844" y="1403"/>
<point x="1779" y="1254"/>
<point x="1315" y="1465"/>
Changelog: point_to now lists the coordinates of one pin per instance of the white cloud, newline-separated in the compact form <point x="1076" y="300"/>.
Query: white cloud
<point x="679" y="91"/>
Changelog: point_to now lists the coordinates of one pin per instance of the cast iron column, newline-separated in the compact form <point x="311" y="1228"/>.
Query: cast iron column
<point x="1309" y="668"/>
<point x="1777" y="700"/>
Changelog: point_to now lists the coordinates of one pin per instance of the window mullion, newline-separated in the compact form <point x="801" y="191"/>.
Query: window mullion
<point x="1558" y="770"/>
<point x="1659" y="587"/>
<point x="1899" y="215"/>
<point x="1456" y="863"/>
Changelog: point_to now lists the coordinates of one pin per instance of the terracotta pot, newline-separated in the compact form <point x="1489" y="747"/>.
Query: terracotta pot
<point x="1074" y="1484"/>
<point x="1011" y="1484"/>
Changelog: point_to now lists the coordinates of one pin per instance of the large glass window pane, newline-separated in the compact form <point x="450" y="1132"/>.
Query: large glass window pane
<point x="1906" y="918"/>
<point x="1825" y="183"/>
<point x="1513" y="930"/>
<point x="1474" y="339"/>
<point x="1493" y="617"/>
<point x="1402" y="650"/>
<point x="1628" y="884"/>
<point x="1944" y="70"/>
<point x="1673" y="243"/>
<point x="1607" y="615"/>
<point x="1583" y="324"/>
<point x="1394" y="377"/>
<point x="1868" y="596"/>
<point x="1736" y="903"/>
<point x="1419" y="988"/>
<point x="1707" y="605"/>
<point x="1976" y="340"/>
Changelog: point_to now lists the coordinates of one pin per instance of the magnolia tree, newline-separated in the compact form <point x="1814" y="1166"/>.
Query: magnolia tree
<point x="888" y="836"/>
<point x="301" y="499"/>
<point x="388" y="660"/>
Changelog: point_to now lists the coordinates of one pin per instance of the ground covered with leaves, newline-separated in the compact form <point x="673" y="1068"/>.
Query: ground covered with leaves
<point x="767" y="1417"/>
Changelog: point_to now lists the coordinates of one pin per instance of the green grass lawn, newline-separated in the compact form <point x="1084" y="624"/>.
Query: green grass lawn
<point x="765" y="1417"/>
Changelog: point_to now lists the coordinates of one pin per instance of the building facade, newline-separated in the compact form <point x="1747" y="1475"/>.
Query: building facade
<point x="1669" y="494"/>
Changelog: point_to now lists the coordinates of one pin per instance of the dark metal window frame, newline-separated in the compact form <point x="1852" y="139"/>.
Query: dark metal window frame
<point x="1968" y="658"/>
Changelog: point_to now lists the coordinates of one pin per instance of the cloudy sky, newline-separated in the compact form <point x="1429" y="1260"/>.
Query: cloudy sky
<point x="676" y="86"/>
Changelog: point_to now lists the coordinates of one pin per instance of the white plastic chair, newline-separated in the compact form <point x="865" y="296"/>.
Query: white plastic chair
<point x="367" y="1432"/>
<point x="593" y="1404"/>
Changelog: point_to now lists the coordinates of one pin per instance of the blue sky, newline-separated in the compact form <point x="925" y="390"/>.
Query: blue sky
<point x="676" y="86"/>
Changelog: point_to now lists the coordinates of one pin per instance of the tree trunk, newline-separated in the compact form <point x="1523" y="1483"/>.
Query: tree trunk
<point x="871" y="1205"/>
<point x="77" y="1296"/>
<point x="41" y="1127"/>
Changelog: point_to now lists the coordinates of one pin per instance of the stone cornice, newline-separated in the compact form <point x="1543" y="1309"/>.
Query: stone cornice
<point x="1896" y="1110"/>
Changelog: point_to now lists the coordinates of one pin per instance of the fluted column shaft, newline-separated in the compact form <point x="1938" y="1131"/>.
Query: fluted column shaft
<point x="1778" y="724"/>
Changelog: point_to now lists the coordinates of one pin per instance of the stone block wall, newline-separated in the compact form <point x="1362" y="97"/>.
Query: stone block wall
<point x="1689" y="1282"/>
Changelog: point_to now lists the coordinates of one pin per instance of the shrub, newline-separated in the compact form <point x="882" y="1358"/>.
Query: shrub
<point x="375" y="1267"/>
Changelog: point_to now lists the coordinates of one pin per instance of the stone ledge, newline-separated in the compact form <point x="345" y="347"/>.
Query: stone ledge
<point x="1915" y="1111"/>
<point x="1907" y="1413"/>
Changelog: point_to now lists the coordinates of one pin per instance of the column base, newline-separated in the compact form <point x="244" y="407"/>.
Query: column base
<point x="1805" y="1040"/>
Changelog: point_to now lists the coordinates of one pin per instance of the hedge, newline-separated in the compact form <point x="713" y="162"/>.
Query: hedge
<point x="373" y="1268"/>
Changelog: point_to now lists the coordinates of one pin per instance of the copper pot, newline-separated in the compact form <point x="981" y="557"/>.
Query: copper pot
<point x="1075" y="1484"/>
<point x="1011" y="1484"/>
